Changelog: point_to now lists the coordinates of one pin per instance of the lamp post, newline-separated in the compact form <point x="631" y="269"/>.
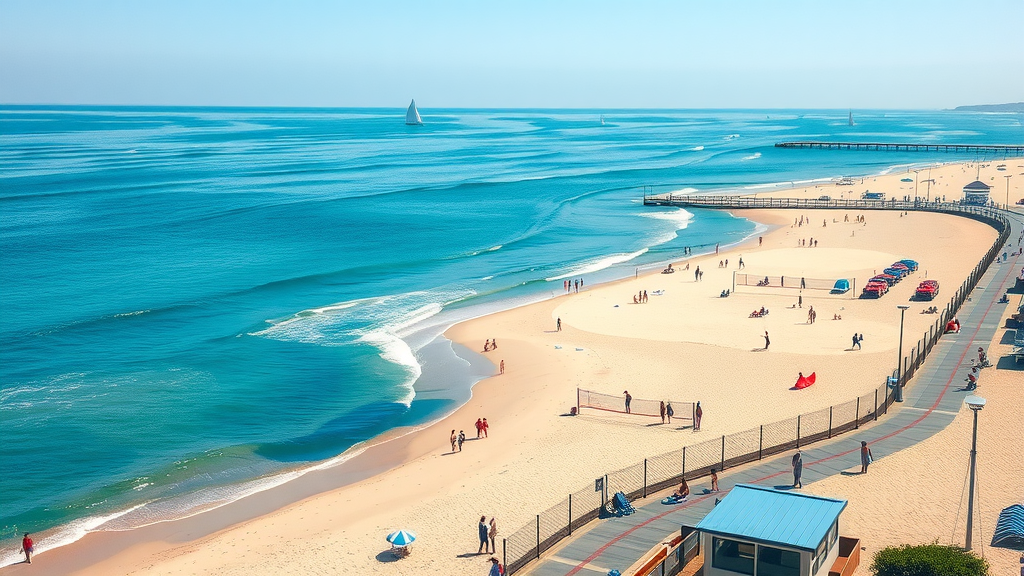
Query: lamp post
<point x="976" y="403"/>
<point x="897" y="390"/>
<point x="1008" y="176"/>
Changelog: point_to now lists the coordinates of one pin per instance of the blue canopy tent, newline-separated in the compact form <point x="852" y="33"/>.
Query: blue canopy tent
<point x="1010" y="528"/>
<point x="842" y="286"/>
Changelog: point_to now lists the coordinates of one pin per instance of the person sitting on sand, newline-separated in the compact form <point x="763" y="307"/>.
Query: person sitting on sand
<point x="682" y="492"/>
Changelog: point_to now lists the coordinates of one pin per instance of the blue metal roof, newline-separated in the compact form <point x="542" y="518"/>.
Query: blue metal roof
<point x="771" y="516"/>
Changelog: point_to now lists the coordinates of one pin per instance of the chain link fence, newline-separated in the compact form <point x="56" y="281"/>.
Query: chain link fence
<point x="719" y="453"/>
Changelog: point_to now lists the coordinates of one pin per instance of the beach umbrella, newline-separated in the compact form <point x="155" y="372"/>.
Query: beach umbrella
<point x="401" y="538"/>
<point x="906" y="179"/>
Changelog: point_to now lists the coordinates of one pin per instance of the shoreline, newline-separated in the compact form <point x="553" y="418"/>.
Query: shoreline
<point x="390" y="451"/>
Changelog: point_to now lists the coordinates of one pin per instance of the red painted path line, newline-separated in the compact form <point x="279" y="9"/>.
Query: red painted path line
<point x="927" y="413"/>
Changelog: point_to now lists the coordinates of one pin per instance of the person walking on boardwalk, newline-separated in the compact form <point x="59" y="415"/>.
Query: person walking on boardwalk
<point x="661" y="410"/>
<point x="629" y="399"/>
<point x="714" y="480"/>
<point x="482" y="529"/>
<point x="766" y="340"/>
<point x="28" y="547"/>
<point x="866" y="457"/>
<point x="698" y="412"/>
<point x="798" y="470"/>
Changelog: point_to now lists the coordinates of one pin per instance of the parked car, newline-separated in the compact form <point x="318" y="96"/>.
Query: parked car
<point x="912" y="264"/>
<point x="927" y="290"/>
<point x="887" y="279"/>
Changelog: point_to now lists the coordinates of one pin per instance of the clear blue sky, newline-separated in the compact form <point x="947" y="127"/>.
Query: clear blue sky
<point x="721" y="54"/>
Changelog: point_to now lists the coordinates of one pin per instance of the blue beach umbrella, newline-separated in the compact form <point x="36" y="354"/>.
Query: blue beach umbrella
<point x="401" y="538"/>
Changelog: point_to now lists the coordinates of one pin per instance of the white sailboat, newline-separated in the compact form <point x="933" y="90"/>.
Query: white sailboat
<point x="412" y="115"/>
<point x="602" y="119"/>
<point x="851" y="118"/>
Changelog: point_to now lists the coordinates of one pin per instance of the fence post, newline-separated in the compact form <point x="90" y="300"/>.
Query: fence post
<point x="570" y="514"/>
<point x="760" y="443"/>
<point x="504" y="553"/>
<point x="829" y="421"/>
<point x="723" y="453"/>
<point x="577" y="400"/>
<point x="645" y="477"/>
<point x="876" y="404"/>
<point x="538" y="535"/>
<point x="856" y="418"/>
<point x="797" y="431"/>
<point x="684" y="463"/>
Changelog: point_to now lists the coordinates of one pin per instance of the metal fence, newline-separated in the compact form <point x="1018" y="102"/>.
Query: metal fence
<point x="720" y="453"/>
<point x="637" y="406"/>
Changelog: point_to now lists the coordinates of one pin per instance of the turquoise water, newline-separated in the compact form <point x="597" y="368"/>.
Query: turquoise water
<point x="196" y="300"/>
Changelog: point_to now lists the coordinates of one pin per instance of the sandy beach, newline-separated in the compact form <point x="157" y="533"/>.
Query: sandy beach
<point x="686" y="344"/>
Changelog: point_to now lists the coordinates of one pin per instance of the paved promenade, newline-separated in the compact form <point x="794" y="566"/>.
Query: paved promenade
<point x="930" y="403"/>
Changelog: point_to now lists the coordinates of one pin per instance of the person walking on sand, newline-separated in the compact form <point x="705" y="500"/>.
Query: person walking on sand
<point x="766" y="340"/>
<point x="860" y="339"/>
<point x="492" y="534"/>
<point x="698" y="413"/>
<point x="661" y="410"/>
<point x="629" y="399"/>
<point x="800" y="300"/>
<point x="485" y="426"/>
<point x="462" y="439"/>
<point x="714" y="480"/>
<point x="856" y="343"/>
<point x="798" y="470"/>
<point x="454" y="440"/>
<point x="669" y="412"/>
<point x="865" y="457"/>
<point x="558" y="325"/>
<point x="696" y="273"/>
<point x="494" y="344"/>
<point x="482" y="529"/>
<point x="501" y="367"/>
<point x="742" y="265"/>
<point x="28" y="547"/>
<point x="810" y="314"/>
<point x="479" y="428"/>
<point x="760" y="239"/>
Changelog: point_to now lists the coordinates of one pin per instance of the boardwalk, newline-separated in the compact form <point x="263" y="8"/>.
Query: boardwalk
<point x="1008" y="149"/>
<point x="930" y="404"/>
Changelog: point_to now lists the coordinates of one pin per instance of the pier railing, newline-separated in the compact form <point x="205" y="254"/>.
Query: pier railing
<point x="723" y="452"/>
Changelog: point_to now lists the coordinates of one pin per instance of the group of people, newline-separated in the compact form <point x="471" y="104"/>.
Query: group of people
<point x="759" y="314"/>
<point x="457" y="440"/>
<point x="723" y="264"/>
<point x="810" y="243"/>
<point x="667" y="411"/>
<point x="491" y="344"/>
<point x="680" y="494"/>
<point x="640" y="298"/>
<point x="698" y="275"/>
<point x="857" y="339"/>
<point x="811" y="315"/>
<point x="488" y="533"/>
<point x="972" y="376"/>
<point x="571" y="286"/>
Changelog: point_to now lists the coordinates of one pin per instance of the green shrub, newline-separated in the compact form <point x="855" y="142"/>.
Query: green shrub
<point x="927" y="560"/>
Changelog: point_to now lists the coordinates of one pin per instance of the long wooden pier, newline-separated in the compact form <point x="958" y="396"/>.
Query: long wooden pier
<point x="906" y="147"/>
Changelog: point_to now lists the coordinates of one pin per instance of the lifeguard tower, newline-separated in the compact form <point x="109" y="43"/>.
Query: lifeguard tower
<point x="760" y="531"/>
<point x="976" y="193"/>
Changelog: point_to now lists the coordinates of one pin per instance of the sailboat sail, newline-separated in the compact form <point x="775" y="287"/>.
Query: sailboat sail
<point x="851" y="117"/>
<point x="412" y="115"/>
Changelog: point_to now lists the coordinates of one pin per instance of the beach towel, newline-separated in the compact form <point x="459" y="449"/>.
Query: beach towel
<point x="804" y="381"/>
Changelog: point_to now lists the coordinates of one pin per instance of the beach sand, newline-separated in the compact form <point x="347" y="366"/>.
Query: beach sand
<point x="687" y="344"/>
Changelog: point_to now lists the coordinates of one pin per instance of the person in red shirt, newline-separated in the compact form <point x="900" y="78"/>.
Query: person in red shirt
<point x="479" y="428"/>
<point x="28" y="547"/>
<point x="484" y="426"/>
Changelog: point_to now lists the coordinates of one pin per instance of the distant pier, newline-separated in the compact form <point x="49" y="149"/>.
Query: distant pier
<point x="897" y="147"/>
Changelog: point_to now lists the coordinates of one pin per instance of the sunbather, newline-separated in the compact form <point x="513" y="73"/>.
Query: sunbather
<point x="682" y="492"/>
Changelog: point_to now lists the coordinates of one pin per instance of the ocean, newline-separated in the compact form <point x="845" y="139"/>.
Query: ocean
<point x="199" y="303"/>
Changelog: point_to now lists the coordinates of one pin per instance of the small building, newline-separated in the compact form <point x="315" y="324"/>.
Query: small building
<point x="760" y="531"/>
<point x="976" y="193"/>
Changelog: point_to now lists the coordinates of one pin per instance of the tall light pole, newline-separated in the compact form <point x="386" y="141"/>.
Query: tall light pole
<point x="1008" y="176"/>
<point x="976" y="403"/>
<point x="915" y="183"/>
<point x="897" y="391"/>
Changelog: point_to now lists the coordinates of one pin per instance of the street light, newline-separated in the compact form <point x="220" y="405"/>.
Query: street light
<point x="976" y="403"/>
<point x="1008" y="176"/>
<point x="897" y="391"/>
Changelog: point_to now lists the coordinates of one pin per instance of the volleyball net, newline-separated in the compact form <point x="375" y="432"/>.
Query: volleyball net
<point x="797" y="282"/>
<point x="637" y="406"/>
